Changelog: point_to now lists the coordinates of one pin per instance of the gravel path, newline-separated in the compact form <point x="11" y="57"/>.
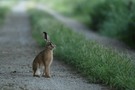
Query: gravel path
<point x="18" y="50"/>
<point x="79" y="27"/>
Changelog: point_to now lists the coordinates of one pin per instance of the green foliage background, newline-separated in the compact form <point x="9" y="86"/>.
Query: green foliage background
<point x="111" y="18"/>
<point x="3" y="12"/>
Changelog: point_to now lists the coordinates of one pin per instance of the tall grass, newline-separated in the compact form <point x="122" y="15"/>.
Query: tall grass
<point x="95" y="62"/>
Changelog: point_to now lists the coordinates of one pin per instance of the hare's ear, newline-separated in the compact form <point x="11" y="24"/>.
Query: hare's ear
<point x="46" y="37"/>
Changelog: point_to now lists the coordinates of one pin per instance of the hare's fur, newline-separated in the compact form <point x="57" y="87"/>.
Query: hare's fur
<point x="43" y="61"/>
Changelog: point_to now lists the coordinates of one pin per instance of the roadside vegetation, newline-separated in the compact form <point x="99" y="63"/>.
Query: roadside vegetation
<point x="3" y="12"/>
<point x="113" y="18"/>
<point x="95" y="62"/>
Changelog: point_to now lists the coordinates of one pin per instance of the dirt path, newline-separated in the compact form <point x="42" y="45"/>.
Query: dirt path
<point x="18" y="50"/>
<point x="79" y="27"/>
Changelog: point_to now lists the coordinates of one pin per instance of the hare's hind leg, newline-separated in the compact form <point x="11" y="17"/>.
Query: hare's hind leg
<point x="36" y="71"/>
<point x="34" y="67"/>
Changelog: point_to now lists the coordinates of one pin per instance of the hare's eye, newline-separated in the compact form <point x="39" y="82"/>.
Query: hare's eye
<point x="50" y="44"/>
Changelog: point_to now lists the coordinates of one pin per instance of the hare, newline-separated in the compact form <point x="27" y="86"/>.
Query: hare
<point x="44" y="59"/>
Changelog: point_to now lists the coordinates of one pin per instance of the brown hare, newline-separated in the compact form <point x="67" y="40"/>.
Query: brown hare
<point x="44" y="59"/>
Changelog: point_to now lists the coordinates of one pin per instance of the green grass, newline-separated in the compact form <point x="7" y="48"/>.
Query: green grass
<point x="95" y="62"/>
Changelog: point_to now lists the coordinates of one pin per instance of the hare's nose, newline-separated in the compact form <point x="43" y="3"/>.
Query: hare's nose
<point x="54" y="46"/>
